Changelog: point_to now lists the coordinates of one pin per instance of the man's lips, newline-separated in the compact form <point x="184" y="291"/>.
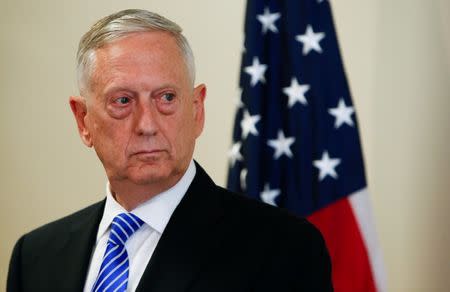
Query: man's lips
<point x="147" y="155"/>
<point x="147" y="152"/>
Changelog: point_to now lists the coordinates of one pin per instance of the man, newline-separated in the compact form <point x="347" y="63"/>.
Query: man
<point x="164" y="225"/>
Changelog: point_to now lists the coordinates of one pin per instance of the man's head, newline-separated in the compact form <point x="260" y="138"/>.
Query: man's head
<point x="138" y="107"/>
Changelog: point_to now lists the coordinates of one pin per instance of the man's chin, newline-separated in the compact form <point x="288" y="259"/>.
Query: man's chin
<point x="160" y="172"/>
<point x="151" y="175"/>
<point x="146" y="179"/>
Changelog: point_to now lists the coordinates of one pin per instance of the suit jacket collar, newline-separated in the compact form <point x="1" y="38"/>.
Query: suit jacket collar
<point x="187" y="240"/>
<point x="78" y="249"/>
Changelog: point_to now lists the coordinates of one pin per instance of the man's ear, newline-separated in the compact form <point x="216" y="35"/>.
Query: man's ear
<point x="79" y="109"/>
<point x="199" y="107"/>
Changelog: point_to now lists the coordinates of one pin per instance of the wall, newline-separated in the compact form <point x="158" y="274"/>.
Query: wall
<point x="397" y="56"/>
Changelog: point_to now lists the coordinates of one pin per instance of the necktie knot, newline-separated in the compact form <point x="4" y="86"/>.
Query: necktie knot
<point x="122" y="227"/>
<point x="113" y="274"/>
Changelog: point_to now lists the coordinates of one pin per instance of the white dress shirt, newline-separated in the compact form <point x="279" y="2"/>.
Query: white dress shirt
<point x="155" y="213"/>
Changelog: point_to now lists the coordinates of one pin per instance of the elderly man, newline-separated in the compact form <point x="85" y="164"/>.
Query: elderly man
<point x="164" y="225"/>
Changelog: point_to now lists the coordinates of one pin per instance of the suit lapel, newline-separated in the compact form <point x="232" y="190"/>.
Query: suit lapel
<point x="187" y="240"/>
<point x="77" y="252"/>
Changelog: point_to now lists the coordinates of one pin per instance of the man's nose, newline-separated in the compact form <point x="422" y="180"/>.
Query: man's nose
<point x="146" y="119"/>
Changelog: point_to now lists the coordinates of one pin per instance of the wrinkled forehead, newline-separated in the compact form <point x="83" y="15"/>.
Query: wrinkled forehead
<point x="142" y="44"/>
<point x="149" y="54"/>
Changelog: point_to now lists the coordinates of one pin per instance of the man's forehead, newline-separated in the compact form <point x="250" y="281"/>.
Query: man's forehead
<point x="151" y="48"/>
<point x="146" y="55"/>
<point x="148" y="40"/>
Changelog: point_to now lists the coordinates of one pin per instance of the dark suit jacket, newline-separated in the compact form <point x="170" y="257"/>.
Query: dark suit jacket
<point x="215" y="241"/>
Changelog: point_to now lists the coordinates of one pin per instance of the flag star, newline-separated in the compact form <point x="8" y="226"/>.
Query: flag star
<point x="326" y="166"/>
<point x="281" y="145"/>
<point x="342" y="113"/>
<point x="256" y="71"/>
<point x="310" y="40"/>
<point x="243" y="179"/>
<point x="248" y="124"/>
<point x="268" y="20"/>
<point x="269" y="195"/>
<point x="235" y="153"/>
<point x="296" y="92"/>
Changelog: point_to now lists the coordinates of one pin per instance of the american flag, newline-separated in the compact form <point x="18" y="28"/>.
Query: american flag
<point x="295" y="140"/>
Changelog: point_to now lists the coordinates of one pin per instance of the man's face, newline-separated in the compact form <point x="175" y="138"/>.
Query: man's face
<point x="142" y="115"/>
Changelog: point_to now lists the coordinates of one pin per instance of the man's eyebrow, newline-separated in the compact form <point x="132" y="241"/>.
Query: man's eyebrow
<point x="166" y="86"/>
<point x="116" y="88"/>
<point x="112" y="89"/>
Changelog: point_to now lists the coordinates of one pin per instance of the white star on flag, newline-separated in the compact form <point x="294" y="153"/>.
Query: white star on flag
<point x="268" y="20"/>
<point x="235" y="153"/>
<point x="256" y="71"/>
<point x="248" y="124"/>
<point x="281" y="145"/>
<point x="342" y="113"/>
<point x="268" y="196"/>
<point x="326" y="166"/>
<point x="243" y="178"/>
<point x="296" y="92"/>
<point x="310" y="40"/>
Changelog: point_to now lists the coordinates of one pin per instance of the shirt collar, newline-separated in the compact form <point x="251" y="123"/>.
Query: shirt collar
<point x="155" y="212"/>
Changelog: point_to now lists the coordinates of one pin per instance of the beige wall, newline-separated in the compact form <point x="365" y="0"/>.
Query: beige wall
<point x="397" y="55"/>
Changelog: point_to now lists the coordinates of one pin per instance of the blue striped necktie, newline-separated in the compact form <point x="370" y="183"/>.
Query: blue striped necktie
<point x="113" y="274"/>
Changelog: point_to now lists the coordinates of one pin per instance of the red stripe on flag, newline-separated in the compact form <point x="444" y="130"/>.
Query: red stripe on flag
<point x="350" y="262"/>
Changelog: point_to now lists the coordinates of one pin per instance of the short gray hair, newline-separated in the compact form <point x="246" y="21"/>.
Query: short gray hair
<point x="121" y="24"/>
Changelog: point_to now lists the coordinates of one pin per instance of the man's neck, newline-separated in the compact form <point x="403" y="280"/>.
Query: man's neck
<point x="130" y="195"/>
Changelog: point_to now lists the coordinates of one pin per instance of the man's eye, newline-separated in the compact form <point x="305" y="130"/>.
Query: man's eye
<point x="123" y="100"/>
<point x="168" y="97"/>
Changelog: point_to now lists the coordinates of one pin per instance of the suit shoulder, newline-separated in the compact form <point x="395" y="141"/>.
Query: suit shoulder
<point x="255" y="213"/>
<point x="63" y="224"/>
<point x="287" y="247"/>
